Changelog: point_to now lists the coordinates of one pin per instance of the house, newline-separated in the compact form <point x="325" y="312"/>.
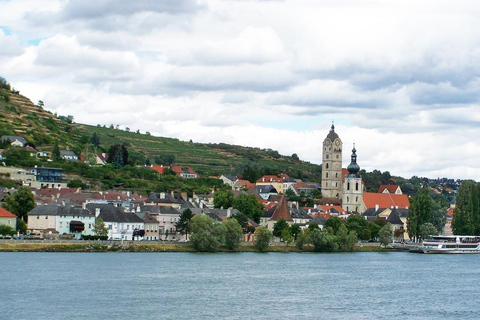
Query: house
<point x="397" y="217"/>
<point x="184" y="172"/>
<point x="68" y="155"/>
<point x="384" y="200"/>
<point x="300" y="216"/>
<point x="7" y="218"/>
<point x="167" y="217"/>
<point x="15" y="141"/>
<point x="120" y="224"/>
<point x="46" y="178"/>
<point x="263" y="191"/>
<point x="242" y="185"/>
<point x="229" y="180"/>
<point x="164" y="199"/>
<point x="303" y="188"/>
<point x="61" y="219"/>
<point x="276" y="182"/>
<point x="101" y="158"/>
<point x="151" y="225"/>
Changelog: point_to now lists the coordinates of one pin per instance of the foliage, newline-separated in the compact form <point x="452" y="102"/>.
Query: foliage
<point x="165" y="159"/>
<point x="99" y="228"/>
<point x="21" y="226"/>
<point x="287" y="236"/>
<point x="360" y="226"/>
<point x="313" y="225"/>
<point x="249" y="205"/>
<point x="420" y="212"/>
<point x="20" y="203"/>
<point x="233" y="234"/>
<point x="56" y="152"/>
<point x="118" y="155"/>
<point x="295" y="229"/>
<point x="6" y="230"/>
<point x="466" y="213"/>
<point x="426" y="230"/>
<point x="183" y="224"/>
<point x="385" y="235"/>
<point x="223" y="199"/>
<point x="94" y="139"/>
<point x="206" y="234"/>
<point x="334" y="223"/>
<point x="262" y="239"/>
<point x="279" y="226"/>
<point x="346" y="239"/>
<point x="303" y="238"/>
<point x="323" y="241"/>
<point x="76" y="183"/>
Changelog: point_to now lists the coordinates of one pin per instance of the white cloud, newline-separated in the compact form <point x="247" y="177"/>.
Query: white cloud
<point x="399" y="78"/>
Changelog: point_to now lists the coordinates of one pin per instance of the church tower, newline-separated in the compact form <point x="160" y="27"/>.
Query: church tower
<point x="352" y="187"/>
<point x="332" y="166"/>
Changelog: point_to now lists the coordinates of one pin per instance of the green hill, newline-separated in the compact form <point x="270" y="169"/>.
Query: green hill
<point x="41" y="128"/>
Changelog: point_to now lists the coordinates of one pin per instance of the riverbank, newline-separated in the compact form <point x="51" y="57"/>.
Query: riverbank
<point x="41" y="246"/>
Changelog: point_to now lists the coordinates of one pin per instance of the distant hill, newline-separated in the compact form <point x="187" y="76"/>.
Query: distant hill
<point x="41" y="128"/>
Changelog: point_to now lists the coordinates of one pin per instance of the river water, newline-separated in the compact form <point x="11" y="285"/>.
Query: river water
<point x="239" y="286"/>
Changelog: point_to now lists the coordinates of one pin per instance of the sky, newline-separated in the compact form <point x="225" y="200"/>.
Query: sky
<point x="400" y="79"/>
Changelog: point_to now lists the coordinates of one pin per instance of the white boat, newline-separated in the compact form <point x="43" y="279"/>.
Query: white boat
<point x="451" y="244"/>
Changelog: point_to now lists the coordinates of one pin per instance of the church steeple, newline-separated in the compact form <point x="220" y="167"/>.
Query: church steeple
<point x="353" y="168"/>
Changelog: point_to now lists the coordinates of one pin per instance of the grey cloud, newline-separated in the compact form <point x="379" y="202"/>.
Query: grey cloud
<point x="442" y="93"/>
<point x="92" y="9"/>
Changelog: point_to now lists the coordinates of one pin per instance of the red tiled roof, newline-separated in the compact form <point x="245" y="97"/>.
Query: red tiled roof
<point x="327" y="209"/>
<point x="56" y="192"/>
<point x="159" y="169"/>
<point x="450" y="211"/>
<point x="269" y="178"/>
<point x="180" y="169"/>
<point x="4" y="213"/>
<point x="247" y="184"/>
<point x="385" y="200"/>
<point x="391" y="188"/>
<point x="282" y="211"/>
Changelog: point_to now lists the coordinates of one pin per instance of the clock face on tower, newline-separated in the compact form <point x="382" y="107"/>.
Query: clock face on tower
<point x="327" y="142"/>
<point x="337" y="142"/>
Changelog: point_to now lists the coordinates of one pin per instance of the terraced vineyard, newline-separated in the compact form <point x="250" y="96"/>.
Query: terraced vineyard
<point x="20" y="116"/>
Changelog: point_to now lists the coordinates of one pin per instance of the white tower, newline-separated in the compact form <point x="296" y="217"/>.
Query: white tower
<point x="352" y="187"/>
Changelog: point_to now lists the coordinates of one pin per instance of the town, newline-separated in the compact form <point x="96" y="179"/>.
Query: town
<point x="275" y="202"/>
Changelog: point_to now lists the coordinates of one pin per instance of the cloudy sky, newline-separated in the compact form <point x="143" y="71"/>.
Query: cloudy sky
<point x="400" y="79"/>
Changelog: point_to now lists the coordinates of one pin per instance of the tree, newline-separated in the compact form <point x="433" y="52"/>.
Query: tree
<point x="303" y="238"/>
<point x="279" y="226"/>
<point x="183" y="224"/>
<point x="6" y="230"/>
<point x="94" y="139"/>
<point x="20" y="203"/>
<point x="295" y="229"/>
<point x="223" y="199"/>
<point x="76" y="183"/>
<point x="165" y="159"/>
<point x="420" y="212"/>
<point x="56" y="152"/>
<point x="385" y="235"/>
<point x="346" y="238"/>
<point x="21" y="226"/>
<point x="262" y="239"/>
<point x="334" y="223"/>
<point x="206" y="234"/>
<point x="233" y="234"/>
<point x="359" y="225"/>
<point x="118" y="155"/>
<point x="99" y="228"/>
<point x="463" y="214"/>
<point x="287" y="236"/>
<point x="323" y="241"/>
<point x="249" y="205"/>
<point x="426" y="230"/>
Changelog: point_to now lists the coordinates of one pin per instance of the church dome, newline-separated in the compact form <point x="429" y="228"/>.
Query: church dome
<point x="353" y="168"/>
<point x="332" y="135"/>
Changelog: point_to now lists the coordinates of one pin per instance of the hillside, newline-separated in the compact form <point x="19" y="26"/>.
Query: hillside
<point x="19" y="116"/>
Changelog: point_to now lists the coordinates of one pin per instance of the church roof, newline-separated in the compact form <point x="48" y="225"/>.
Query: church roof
<point x="385" y="200"/>
<point x="282" y="211"/>
<point x="332" y="135"/>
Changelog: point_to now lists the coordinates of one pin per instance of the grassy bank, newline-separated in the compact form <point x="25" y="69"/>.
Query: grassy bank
<point x="135" y="247"/>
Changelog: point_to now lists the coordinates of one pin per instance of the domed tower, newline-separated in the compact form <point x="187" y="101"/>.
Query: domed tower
<point x="332" y="165"/>
<point x="352" y="187"/>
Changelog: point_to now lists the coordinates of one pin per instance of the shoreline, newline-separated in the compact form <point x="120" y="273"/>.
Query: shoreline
<point x="93" y="246"/>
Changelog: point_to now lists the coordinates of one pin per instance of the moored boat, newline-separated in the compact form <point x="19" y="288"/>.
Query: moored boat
<point x="451" y="244"/>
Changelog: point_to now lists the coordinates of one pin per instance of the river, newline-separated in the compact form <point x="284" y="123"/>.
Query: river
<point x="366" y="285"/>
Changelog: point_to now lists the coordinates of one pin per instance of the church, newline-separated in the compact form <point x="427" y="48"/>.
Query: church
<point x="345" y="187"/>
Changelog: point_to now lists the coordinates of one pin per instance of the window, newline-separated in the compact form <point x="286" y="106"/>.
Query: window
<point x="327" y="164"/>
<point x="356" y="186"/>
<point x="348" y="200"/>
<point x="61" y="224"/>
<point x="348" y="187"/>
<point x="326" y="175"/>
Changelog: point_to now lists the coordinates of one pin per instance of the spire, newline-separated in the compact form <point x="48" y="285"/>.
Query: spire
<point x="333" y="126"/>
<point x="353" y="168"/>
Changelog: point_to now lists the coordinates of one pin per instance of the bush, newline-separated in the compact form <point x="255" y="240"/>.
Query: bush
<point x="262" y="239"/>
<point x="206" y="234"/>
<point x="94" y="237"/>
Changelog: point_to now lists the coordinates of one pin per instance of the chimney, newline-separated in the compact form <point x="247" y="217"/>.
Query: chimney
<point x="63" y="203"/>
<point x="84" y="205"/>
<point x="97" y="212"/>
<point x="377" y="207"/>
<point x="229" y="212"/>
<point x="396" y="207"/>
<point x="128" y="193"/>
